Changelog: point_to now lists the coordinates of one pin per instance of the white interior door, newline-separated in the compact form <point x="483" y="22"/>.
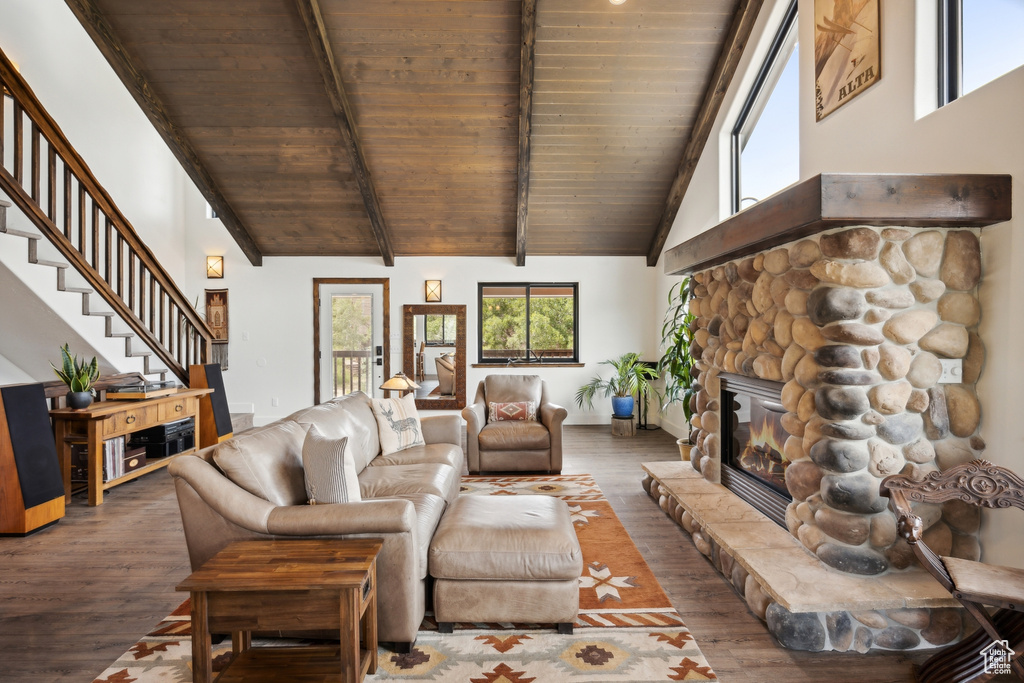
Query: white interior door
<point x="351" y="339"/>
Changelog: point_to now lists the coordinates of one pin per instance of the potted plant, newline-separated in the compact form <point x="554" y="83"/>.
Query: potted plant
<point x="79" y="376"/>
<point x="632" y="376"/>
<point x="676" y="365"/>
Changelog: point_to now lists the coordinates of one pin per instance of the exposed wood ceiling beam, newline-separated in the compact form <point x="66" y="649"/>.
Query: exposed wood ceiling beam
<point x="309" y="10"/>
<point x="732" y="50"/>
<point x="529" y="40"/>
<point x="124" y="66"/>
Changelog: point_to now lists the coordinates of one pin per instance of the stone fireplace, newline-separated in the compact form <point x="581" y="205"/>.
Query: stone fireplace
<point x="835" y="344"/>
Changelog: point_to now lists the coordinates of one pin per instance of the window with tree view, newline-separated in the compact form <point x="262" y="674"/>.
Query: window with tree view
<point x="440" y="330"/>
<point x="528" y="322"/>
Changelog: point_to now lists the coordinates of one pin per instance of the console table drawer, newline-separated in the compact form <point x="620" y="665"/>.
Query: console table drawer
<point x="132" y="420"/>
<point x="177" y="409"/>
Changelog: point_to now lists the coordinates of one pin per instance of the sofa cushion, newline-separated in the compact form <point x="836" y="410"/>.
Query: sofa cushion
<point x="429" y="509"/>
<point x="398" y="423"/>
<point x="511" y="388"/>
<point x="267" y="462"/>
<point x="329" y="471"/>
<point x="349" y="416"/>
<point x="505" y="436"/>
<point x="393" y="480"/>
<point x="444" y="453"/>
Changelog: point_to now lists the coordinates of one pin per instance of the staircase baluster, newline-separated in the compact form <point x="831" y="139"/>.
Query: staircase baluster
<point x="34" y="163"/>
<point x="131" y="280"/>
<point x="67" y="201"/>
<point x="142" y="291"/>
<point x="152" y="302"/>
<point x="95" y="236"/>
<point x="82" y="249"/>
<point x="120" y="266"/>
<point x="162" y="336"/>
<point x="51" y="183"/>
<point x="19" y="143"/>
<point x="3" y="119"/>
<point x="107" y="242"/>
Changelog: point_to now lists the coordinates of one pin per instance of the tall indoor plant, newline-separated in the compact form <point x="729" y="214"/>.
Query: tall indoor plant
<point x="676" y="365"/>
<point x="79" y="376"/>
<point x="632" y="376"/>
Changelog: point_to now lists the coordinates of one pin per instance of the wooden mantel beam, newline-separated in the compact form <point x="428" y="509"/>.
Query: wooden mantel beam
<point x="732" y="50"/>
<point x="313" y="19"/>
<point x="124" y="66"/>
<point x="529" y="41"/>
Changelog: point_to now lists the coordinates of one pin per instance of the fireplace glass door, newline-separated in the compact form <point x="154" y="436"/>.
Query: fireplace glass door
<point x="753" y="439"/>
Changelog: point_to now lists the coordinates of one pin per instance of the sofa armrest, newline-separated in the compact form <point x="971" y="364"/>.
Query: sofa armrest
<point x="385" y="516"/>
<point x="552" y="416"/>
<point x="226" y="498"/>
<point x="442" y="429"/>
<point x="475" y="416"/>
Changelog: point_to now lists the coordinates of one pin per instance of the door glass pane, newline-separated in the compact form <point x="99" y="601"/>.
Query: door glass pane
<point x="503" y="322"/>
<point x="552" y="322"/>
<point x="992" y="44"/>
<point x="352" y="342"/>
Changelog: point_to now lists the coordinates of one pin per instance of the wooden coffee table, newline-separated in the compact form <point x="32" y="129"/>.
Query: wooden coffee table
<point x="296" y="585"/>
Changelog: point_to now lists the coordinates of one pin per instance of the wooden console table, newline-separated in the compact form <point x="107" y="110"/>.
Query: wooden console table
<point x="109" y="419"/>
<point x="286" y="585"/>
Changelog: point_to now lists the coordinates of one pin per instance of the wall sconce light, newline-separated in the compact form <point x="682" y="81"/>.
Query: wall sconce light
<point x="214" y="267"/>
<point x="432" y="290"/>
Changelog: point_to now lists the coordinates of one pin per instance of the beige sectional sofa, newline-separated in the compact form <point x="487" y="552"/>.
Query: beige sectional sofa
<point x="404" y="495"/>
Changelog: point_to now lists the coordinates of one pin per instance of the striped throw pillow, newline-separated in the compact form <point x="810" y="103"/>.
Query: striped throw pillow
<point x="329" y="471"/>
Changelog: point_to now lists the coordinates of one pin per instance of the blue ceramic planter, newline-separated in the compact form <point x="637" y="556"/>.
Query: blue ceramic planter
<point x="622" y="406"/>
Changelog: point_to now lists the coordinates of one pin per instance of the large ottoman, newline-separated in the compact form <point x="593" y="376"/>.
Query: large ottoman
<point x="506" y="559"/>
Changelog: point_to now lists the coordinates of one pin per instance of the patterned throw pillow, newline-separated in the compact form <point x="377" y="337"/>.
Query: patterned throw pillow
<point x="330" y="471"/>
<point x="523" y="411"/>
<point x="398" y="423"/>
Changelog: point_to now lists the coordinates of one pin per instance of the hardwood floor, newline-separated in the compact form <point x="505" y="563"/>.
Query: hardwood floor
<point x="77" y="595"/>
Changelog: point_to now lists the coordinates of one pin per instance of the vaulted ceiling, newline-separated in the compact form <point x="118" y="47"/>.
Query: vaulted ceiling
<point x="431" y="127"/>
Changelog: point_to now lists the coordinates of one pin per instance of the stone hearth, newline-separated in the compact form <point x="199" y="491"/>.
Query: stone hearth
<point x="853" y="316"/>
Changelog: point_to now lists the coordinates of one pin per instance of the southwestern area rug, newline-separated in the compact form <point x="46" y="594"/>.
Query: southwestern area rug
<point x="627" y="629"/>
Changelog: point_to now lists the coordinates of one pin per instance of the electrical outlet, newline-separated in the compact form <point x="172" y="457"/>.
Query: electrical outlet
<point x="273" y="402"/>
<point x="952" y="371"/>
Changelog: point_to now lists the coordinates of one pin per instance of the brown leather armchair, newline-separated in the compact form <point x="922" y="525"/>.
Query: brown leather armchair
<point x="445" y="374"/>
<point x="513" y="446"/>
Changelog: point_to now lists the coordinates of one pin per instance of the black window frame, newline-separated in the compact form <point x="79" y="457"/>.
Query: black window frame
<point x="444" y="340"/>
<point x="951" y="54"/>
<point x="787" y="27"/>
<point x="528" y="286"/>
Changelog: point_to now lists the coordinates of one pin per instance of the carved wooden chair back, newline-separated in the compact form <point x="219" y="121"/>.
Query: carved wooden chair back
<point x="983" y="484"/>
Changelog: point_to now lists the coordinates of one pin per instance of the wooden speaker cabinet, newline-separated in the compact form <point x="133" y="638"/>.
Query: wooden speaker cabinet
<point x="214" y="415"/>
<point x="31" y="485"/>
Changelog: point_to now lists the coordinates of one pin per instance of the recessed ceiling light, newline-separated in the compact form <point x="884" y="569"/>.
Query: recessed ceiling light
<point x="617" y="2"/>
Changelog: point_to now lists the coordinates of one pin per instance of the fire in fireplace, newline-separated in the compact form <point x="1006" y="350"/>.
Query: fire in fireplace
<point x="753" y="459"/>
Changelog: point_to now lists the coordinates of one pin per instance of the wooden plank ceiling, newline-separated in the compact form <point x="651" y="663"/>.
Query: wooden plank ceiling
<point x="393" y="127"/>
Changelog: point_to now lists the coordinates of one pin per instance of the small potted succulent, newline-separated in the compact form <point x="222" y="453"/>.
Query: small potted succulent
<point x="632" y="376"/>
<point x="79" y="376"/>
<point x="676" y="365"/>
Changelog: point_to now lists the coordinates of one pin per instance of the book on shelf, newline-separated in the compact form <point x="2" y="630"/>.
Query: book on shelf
<point x="142" y="390"/>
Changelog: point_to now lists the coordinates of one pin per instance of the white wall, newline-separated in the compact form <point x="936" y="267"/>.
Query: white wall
<point x="271" y="315"/>
<point x="893" y="127"/>
<point x="101" y="120"/>
<point x="12" y="374"/>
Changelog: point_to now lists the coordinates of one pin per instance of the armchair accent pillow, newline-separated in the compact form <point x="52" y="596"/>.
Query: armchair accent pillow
<point x="398" y="423"/>
<point x="329" y="469"/>
<point x="521" y="411"/>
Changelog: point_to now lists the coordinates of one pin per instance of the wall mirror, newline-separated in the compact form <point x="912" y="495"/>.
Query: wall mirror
<point x="434" y="354"/>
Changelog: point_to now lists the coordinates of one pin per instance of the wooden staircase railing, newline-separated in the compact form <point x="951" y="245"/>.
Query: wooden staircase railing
<point x="48" y="180"/>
